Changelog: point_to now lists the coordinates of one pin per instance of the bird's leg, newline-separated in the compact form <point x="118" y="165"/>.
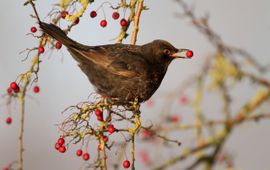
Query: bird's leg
<point x="136" y="114"/>
<point x="135" y="129"/>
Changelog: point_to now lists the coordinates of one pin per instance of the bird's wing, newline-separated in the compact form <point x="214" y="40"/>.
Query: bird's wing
<point x="117" y="59"/>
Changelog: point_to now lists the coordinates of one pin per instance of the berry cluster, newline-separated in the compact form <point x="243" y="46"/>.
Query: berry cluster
<point x="13" y="87"/>
<point x="5" y="168"/>
<point x="60" y="145"/>
<point x="77" y="127"/>
<point x="115" y="15"/>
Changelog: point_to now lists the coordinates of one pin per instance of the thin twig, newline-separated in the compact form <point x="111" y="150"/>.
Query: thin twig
<point x="133" y="151"/>
<point x="104" y="161"/>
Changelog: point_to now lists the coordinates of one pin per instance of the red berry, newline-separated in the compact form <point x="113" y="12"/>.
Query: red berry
<point x="111" y="129"/>
<point x="126" y="164"/>
<point x="17" y="90"/>
<point x="5" y="168"/>
<point x="13" y="85"/>
<point x="62" y="149"/>
<point x="41" y="50"/>
<point x="79" y="152"/>
<point x="98" y="112"/>
<point x="145" y="157"/>
<point x="9" y="90"/>
<point x="123" y="22"/>
<point x="33" y="29"/>
<point x="64" y="14"/>
<point x="150" y="102"/>
<point x="103" y="23"/>
<point x="115" y="15"/>
<point x="57" y="146"/>
<point x="100" y="118"/>
<point x="175" y="119"/>
<point x="93" y="14"/>
<point x="58" y="45"/>
<point x="36" y="89"/>
<point x="189" y="54"/>
<point x="8" y="120"/>
<point x="76" y="21"/>
<point x="183" y="100"/>
<point x="61" y="141"/>
<point x="106" y="139"/>
<point x="147" y="134"/>
<point x="86" y="156"/>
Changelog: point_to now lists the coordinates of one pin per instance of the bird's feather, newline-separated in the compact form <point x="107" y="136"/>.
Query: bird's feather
<point x="112" y="62"/>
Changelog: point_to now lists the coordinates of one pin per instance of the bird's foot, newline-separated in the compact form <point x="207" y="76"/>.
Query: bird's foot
<point x="137" y="126"/>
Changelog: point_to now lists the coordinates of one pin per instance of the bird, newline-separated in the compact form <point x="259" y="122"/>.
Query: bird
<point x="122" y="72"/>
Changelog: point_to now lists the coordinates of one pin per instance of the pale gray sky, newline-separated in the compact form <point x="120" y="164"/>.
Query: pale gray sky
<point x="242" y="23"/>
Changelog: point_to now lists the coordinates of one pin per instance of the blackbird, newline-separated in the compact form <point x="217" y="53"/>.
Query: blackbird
<point x="120" y="71"/>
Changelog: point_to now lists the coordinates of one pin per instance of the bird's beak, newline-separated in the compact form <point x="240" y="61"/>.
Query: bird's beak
<point x="182" y="53"/>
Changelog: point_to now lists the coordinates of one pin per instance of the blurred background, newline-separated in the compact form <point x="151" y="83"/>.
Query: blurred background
<point x="241" y="23"/>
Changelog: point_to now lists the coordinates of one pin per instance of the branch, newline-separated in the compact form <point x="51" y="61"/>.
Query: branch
<point x="136" y="22"/>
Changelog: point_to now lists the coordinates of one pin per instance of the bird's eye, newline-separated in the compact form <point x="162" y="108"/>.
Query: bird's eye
<point x="167" y="52"/>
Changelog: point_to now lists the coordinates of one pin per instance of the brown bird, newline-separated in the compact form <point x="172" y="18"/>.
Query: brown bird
<point x="120" y="71"/>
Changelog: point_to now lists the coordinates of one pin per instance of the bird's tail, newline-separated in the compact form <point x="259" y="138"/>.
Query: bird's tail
<point x="58" y="34"/>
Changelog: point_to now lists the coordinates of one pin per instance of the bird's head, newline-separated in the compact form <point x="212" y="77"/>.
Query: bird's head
<point x="164" y="52"/>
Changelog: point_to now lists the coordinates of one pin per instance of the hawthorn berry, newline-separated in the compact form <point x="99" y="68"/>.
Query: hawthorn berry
<point x="183" y="100"/>
<point x="98" y="112"/>
<point x="13" y="85"/>
<point x="100" y="118"/>
<point x="64" y="14"/>
<point x="103" y="23"/>
<point x="147" y="134"/>
<point x="17" y="90"/>
<point x="93" y="14"/>
<point x="79" y="152"/>
<point x="62" y="149"/>
<point x="106" y="139"/>
<point x="111" y="129"/>
<point x="75" y="22"/>
<point x="115" y="15"/>
<point x="5" y="168"/>
<point x="123" y="22"/>
<point x="58" y="45"/>
<point x="41" y="50"/>
<point x="33" y="29"/>
<point x="8" y="120"/>
<point x="36" y="89"/>
<point x="61" y="141"/>
<point x="150" y="102"/>
<point x="175" y="119"/>
<point x="57" y="146"/>
<point x="144" y="156"/>
<point x="86" y="156"/>
<point x="126" y="164"/>
<point x="189" y="53"/>
<point x="9" y="90"/>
